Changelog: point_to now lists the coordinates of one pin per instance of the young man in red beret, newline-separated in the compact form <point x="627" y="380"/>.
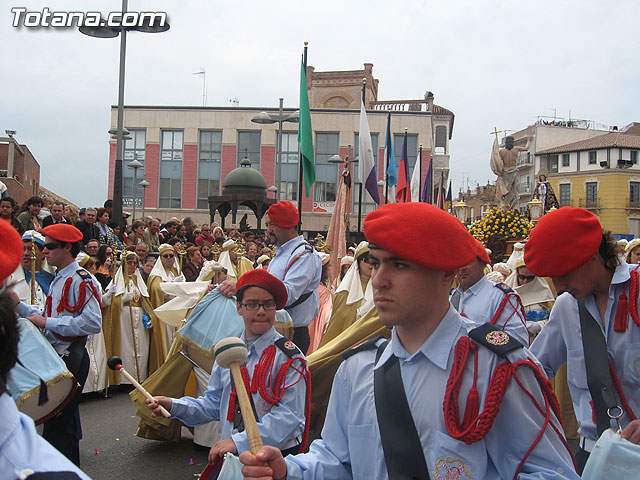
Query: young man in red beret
<point x="276" y="374"/>
<point x="23" y="452"/>
<point x="481" y="300"/>
<point x="72" y="312"/>
<point x="411" y="408"/>
<point x="569" y="246"/>
<point x="297" y="264"/>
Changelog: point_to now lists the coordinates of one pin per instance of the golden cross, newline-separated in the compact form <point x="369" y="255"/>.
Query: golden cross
<point x="495" y="132"/>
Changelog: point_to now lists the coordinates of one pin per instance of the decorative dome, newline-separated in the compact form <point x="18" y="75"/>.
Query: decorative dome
<point x="244" y="180"/>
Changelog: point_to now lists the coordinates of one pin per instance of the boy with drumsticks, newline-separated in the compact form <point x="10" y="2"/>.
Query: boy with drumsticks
<point x="276" y="376"/>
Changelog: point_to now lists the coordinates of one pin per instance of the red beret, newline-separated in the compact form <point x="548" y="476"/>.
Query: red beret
<point x="263" y="279"/>
<point x="283" y="214"/>
<point x="482" y="252"/>
<point x="562" y="241"/>
<point x="62" y="232"/>
<point x="422" y="234"/>
<point x="11" y="251"/>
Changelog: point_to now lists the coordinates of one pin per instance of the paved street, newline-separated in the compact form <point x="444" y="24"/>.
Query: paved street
<point x="109" y="425"/>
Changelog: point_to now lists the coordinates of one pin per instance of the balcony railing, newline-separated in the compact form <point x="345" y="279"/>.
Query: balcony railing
<point x="525" y="188"/>
<point x="589" y="203"/>
<point x="633" y="205"/>
<point x="401" y="105"/>
<point x="524" y="159"/>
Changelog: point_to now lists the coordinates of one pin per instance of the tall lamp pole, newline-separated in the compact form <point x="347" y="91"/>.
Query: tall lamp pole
<point x="265" y="118"/>
<point x="134" y="165"/>
<point x="112" y="32"/>
<point x="144" y="184"/>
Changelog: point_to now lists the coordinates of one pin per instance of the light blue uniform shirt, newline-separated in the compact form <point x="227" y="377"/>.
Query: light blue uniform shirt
<point x="351" y="447"/>
<point x="85" y="322"/>
<point x="560" y="342"/>
<point x="302" y="277"/>
<point x="480" y="302"/>
<point x="23" y="451"/>
<point x="281" y="425"/>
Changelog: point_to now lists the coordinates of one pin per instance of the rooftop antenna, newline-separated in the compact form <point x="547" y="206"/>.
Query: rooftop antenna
<point x="234" y="101"/>
<point x="203" y="72"/>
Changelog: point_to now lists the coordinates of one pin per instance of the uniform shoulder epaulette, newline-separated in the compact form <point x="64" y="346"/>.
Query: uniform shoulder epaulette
<point x="506" y="289"/>
<point x="84" y="275"/>
<point x="496" y="340"/>
<point x="288" y="347"/>
<point x="366" y="345"/>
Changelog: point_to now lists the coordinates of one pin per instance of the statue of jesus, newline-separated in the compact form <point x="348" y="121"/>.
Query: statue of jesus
<point x="503" y="164"/>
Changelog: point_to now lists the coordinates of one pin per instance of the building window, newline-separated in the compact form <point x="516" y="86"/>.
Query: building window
<point x="412" y="149"/>
<point x="565" y="160"/>
<point x="593" y="157"/>
<point x="565" y="194"/>
<point x="441" y="139"/>
<point x="592" y="194"/>
<point x="209" y="157"/>
<point x="210" y="146"/>
<point x="634" y="157"/>
<point x="171" y="169"/>
<point x="326" y="187"/>
<point x="133" y="149"/>
<point x="368" y="204"/>
<point x="289" y="167"/>
<point x="634" y="194"/>
<point x="249" y="147"/>
<point x="552" y="163"/>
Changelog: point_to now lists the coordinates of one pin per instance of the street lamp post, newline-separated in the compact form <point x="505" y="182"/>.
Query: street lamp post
<point x="134" y="165"/>
<point x="144" y="184"/>
<point x="112" y="32"/>
<point x="267" y="119"/>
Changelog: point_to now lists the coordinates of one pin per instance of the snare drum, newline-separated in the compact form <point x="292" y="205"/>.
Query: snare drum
<point x="227" y="468"/>
<point x="39" y="362"/>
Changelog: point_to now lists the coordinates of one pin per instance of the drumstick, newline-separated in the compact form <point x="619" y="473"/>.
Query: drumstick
<point x="230" y="353"/>
<point x="115" y="363"/>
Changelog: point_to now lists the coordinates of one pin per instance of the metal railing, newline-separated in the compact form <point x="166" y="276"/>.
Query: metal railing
<point x="524" y="159"/>
<point x="401" y="105"/>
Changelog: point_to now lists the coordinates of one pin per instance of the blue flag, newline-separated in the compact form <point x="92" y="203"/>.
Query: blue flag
<point x="389" y="156"/>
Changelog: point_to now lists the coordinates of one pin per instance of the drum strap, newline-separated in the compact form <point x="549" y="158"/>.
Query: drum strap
<point x="400" y="440"/>
<point x="597" y="366"/>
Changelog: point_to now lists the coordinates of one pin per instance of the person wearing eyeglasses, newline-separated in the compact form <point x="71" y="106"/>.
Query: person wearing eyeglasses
<point x="166" y="269"/>
<point x="205" y="235"/>
<point x="72" y="312"/>
<point x="353" y="298"/>
<point x="278" y="404"/>
<point x="483" y="301"/>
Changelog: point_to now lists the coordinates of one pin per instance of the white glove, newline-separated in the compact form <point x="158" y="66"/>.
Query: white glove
<point x="128" y="296"/>
<point x="108" y="296"/>
<point x="180" y="278"/>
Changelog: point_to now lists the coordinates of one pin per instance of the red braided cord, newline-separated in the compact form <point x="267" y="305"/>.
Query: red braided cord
<point x="618" y="386"/>
<point x="518" y="309"/>
<point x="82" y="292"/>
<point x="633" y="296"/>
<point x="275" y="391"/>
<point x="480" y="426"/>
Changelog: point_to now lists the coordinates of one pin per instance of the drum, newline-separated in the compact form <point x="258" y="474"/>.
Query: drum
<point x="40" y="362"/>
<point x="215" y="317"/>
<point x="227" y="468"/>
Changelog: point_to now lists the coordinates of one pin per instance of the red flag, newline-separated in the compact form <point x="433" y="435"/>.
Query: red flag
<point x="403" y="192"/>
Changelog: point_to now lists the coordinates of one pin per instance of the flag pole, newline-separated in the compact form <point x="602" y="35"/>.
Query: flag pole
<point x="386" y="168"/>
<point x="406" y="162"/>
<point x="360" y="165"/>
<point x="300" y="171"/>
<point x="420" y="183"/>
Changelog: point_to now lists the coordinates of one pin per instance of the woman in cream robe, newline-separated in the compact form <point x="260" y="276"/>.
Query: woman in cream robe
<point x="130" y="339"/>
<point x="166" y="269"/>
<point x="354" y="296"/>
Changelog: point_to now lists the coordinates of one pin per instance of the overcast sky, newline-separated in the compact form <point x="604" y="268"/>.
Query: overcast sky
<point x="493" y="63"/>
